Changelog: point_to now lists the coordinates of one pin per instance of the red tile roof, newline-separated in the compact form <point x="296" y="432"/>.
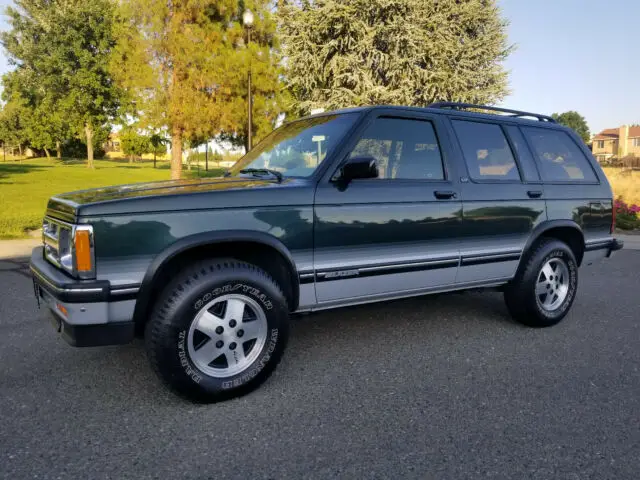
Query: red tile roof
<point x="612" y="133"/>
<point x="608" y="134"/>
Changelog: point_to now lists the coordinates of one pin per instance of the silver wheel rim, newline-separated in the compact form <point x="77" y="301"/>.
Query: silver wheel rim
<point x="552" y="286"/>
<point x="227" y="335"/>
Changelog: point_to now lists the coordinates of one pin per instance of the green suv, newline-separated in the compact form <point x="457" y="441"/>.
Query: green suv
<point x="341" y="208"/>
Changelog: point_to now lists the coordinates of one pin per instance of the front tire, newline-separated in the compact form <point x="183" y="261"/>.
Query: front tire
<point x="218" y="330"/>
<point x="545" y="287"/>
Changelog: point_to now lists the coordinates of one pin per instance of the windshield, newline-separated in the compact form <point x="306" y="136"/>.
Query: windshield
<point x="297" y="148"/>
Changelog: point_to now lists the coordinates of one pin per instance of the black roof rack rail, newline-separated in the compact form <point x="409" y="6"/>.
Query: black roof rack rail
<point x="514" y="113"/>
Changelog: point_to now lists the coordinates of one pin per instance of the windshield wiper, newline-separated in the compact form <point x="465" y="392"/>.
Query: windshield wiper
<point x="258" y="171"/>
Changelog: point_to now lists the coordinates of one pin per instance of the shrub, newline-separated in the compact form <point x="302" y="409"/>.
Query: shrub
<point x="626" y="215"/>
<point x="214" y="157"/>
<point x="76" y="148"/>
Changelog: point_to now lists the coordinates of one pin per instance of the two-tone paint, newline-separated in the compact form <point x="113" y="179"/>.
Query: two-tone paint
<point x="369" y="240"/>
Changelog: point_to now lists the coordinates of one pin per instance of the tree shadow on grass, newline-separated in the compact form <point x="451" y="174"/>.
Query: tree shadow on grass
<point x="120" y="167"/>
<point x="7" y="169"/>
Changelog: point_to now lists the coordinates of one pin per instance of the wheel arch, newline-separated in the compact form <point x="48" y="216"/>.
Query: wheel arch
<point x="259" y="248"/>
<point x="567" y="231"/>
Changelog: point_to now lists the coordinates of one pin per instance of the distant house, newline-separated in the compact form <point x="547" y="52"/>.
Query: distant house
<point x="112" y="145"/>
<point x="617" y="142"/>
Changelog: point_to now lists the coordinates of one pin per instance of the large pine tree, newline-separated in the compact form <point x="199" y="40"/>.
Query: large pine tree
<point x="342" y="53"/>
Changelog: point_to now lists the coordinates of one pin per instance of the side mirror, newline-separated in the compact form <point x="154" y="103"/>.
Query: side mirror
<point x="359" y="167"/>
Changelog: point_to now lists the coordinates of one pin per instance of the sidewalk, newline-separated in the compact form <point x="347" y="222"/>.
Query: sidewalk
<point x="631" y="242"/>
<point x="18" y="248"/>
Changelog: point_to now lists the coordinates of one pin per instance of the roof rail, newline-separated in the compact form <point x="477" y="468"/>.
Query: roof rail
<point x="513" y="113"/>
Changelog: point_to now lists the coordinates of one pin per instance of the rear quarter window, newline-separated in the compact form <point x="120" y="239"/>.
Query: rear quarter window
<point x="559" y="158"/>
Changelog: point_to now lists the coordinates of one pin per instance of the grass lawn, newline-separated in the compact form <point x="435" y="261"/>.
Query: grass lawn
<point x="625" y="184"/>
<point x="25" y="187"/>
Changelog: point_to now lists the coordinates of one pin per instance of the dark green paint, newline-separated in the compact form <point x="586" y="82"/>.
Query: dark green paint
<point x="144" y="219"/>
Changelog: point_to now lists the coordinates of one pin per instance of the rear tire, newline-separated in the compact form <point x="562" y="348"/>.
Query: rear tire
<point x="545" y="286"/>
<point x="218" y="330"/>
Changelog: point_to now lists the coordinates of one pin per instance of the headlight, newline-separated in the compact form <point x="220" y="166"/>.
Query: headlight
<point x="69" y="247"/>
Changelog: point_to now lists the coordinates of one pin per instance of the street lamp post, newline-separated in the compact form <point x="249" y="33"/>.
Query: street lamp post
<point x="247" y="20"/>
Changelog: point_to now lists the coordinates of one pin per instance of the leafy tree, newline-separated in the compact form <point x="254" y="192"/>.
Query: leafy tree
<point x="342" y="53"/>
<point x="46" y="126"/>
<point x="158" y="146"/>
<point x="184" y="67"/>
<point x="134" y="144"/>
<point x="61" y="50"/>
<point x="14" y="120"/>
<point x="575" y="121"/>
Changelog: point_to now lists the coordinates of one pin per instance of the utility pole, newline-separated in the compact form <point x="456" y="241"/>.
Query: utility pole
<point x="247" y="19"/>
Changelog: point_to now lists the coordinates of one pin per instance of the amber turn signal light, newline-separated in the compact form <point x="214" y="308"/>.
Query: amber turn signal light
<point x="83" y="251"/>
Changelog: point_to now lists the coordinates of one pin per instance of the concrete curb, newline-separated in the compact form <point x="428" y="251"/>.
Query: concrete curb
<point x="631" y="242"/>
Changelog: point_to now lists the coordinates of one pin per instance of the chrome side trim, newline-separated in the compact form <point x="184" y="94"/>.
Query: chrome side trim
<point x="593" y="241"/>
<point x="345" y="302"/>
<point x="480" y="259"/>
<point x="446" y="261"/>
<point x="57" y="289"/>
<point x="124" y="291"/>
<point x="449" y="261"/>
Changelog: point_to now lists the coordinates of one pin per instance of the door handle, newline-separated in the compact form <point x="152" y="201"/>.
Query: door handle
<point x="444" y="195"/>
<point x="534" y="193"/>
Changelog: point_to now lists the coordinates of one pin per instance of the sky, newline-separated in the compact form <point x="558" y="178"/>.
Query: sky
<point x="570" y="55"/>
<point x="581" y="55"/>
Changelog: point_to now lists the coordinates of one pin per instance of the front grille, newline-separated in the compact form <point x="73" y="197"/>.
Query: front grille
<point x="56" y="236"/>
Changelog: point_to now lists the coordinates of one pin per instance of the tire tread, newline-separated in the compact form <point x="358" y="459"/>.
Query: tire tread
<point x="160" y="321"/>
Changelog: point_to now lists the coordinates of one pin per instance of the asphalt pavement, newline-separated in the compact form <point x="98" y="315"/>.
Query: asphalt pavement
<point x="440" y="387"/>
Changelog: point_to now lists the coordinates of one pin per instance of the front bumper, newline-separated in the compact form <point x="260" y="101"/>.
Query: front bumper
<point x="86" y="312"/>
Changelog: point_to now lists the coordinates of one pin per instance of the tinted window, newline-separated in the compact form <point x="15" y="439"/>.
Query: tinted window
<point x="296" y="149"/>
<point x="527" y="163"/>
<point x="559" y="156"/>
<point x="403" y="149"/>
<point x="486" y="151"/>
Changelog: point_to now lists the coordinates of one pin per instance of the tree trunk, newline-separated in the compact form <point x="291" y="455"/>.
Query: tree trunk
<point x="130" y="158"/>
<point x="154" y="159"/>
<point x="58" y="150"/>
<point x="176" y="154"/>
<point x="89" y="133"/>
<point x="20" y="153"/>
<point x="46" y="152"/>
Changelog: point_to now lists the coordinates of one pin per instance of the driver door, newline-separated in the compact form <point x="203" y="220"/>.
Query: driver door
<point x="393" y="235"/>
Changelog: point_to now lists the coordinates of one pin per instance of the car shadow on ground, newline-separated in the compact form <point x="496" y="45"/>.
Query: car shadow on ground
<point x="313" y="337"/>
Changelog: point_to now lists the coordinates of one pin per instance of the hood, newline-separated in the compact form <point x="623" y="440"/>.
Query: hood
<point x="169" y="196"/>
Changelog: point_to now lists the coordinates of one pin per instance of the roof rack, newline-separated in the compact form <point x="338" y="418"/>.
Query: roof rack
<point x="513" y="113"/>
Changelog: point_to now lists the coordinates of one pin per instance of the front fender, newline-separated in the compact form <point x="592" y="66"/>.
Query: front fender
<point x="190" y="242"/>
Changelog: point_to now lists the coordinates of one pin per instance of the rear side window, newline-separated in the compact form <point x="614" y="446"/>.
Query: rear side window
<point x="560" y="159"/>
<point x="486" y="151"/>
